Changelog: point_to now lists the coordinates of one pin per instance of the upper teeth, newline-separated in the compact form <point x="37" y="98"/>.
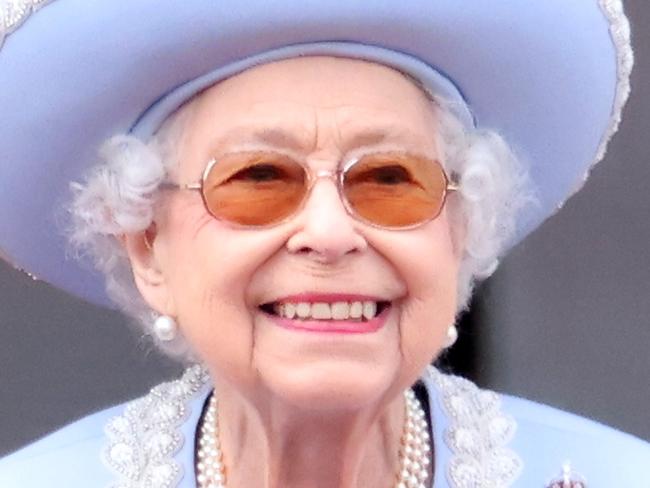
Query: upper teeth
<point x="327" y="311"/>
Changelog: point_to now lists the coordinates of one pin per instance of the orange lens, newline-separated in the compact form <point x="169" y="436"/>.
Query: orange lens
<point x="254" y="188"/>
<point x="395" y="189"/>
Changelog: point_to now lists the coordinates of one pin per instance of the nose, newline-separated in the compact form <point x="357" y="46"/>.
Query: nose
<point x="325" y="232"/>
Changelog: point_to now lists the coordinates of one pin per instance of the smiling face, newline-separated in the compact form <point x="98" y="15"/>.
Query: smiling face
<point x="253" y="303"/>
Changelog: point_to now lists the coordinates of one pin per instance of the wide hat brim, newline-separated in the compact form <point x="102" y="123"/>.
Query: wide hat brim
<point x="551" y="76"/>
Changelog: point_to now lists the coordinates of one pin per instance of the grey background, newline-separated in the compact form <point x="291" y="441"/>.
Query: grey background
<point x="565" y="320"/>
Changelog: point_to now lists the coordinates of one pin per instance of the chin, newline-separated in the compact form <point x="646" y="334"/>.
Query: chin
<point x="330" y="384"/>
<point x="320" y="370"/>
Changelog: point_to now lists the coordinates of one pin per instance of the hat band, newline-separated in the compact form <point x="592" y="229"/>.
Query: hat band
<point x="432" y="80"/>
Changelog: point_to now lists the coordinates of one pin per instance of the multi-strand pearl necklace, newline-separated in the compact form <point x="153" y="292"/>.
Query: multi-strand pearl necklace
<point x="414" y="448"/>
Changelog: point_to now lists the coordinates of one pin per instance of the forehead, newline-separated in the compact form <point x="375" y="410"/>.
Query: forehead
<point x="311" y="98"/>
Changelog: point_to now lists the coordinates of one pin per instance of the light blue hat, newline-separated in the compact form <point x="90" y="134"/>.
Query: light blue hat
<point x="551" y="76"/>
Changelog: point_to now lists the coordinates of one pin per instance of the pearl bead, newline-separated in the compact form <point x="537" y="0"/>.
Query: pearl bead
<point x="165" y="328"/>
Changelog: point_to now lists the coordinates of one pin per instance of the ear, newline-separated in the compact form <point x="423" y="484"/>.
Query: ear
<point x="143" y="250"/>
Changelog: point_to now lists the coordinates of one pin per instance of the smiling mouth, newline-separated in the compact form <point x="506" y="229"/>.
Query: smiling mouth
<point x="353" y="311"/>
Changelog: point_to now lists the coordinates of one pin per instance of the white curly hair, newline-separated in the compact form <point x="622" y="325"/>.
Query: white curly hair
<point x="118" y="197"/>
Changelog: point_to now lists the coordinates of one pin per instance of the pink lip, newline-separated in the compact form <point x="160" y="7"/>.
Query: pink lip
<point x="334" y="326"/>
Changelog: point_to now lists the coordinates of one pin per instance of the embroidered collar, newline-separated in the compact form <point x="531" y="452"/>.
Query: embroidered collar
<point x="144" y="441"/>
<point x="477" y="434"/>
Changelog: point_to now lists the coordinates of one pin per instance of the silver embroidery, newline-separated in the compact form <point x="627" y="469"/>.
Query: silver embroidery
<point x="14" y="12"/>
<point x="142" y="442"/>
<point x="477" y="435"/>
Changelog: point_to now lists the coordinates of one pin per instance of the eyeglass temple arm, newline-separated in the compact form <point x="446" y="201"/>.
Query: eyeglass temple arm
<point x="176" y="186"/>
<point x="453" y="187"/>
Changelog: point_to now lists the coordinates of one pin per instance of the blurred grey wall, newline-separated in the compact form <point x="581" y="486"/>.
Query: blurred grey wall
<point x="565" y="320"/>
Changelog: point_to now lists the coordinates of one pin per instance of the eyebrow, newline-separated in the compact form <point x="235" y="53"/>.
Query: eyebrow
<point x="278" y="137"/>
<point x="271" y="136"/>
<point x="287" y="139"/>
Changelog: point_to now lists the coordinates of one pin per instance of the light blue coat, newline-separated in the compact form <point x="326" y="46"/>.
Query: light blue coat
<point x="525" y="443"/>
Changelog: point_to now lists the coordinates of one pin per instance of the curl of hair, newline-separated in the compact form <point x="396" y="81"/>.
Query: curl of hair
<point x="494" y="186"/>
<point x="119" y="196"/>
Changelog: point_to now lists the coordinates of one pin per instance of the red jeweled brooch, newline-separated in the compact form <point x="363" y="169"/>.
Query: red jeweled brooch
<point x="568" y="479"/>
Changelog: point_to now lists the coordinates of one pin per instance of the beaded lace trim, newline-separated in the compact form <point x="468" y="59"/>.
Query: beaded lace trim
<point x="14" y="12"/>
<point x="477" y="435"/>
<point x="143" y="441"/>
<point x="619" y="29"/>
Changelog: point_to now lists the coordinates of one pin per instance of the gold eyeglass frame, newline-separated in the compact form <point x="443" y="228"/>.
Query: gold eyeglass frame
<point x="337" y="176"/>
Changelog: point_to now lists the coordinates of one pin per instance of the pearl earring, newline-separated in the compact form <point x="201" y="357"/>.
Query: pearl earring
<point x="165" y="328"/>
<point x="452" y="336"/>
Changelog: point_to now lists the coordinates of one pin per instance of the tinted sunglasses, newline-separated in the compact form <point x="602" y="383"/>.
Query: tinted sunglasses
<point x="391" y="190"/>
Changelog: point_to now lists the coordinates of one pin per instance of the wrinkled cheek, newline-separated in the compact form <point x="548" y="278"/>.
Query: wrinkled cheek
<point x="425" y="322"/>
<point x="416" y="335"/>
<point x="220" y="331"/>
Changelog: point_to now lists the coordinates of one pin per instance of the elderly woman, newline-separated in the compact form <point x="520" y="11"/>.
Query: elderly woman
<point x="299" y="200"/>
